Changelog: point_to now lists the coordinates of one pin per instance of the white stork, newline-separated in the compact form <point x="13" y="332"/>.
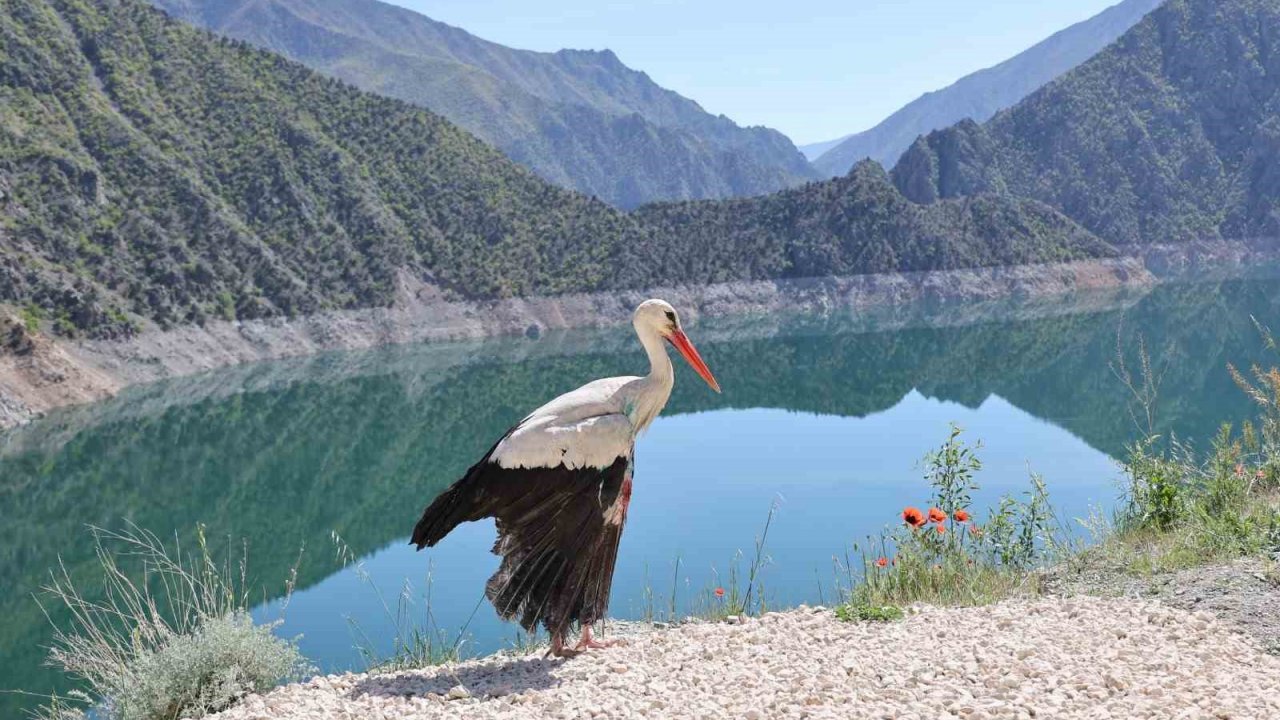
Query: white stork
<point x="559" y="483"/>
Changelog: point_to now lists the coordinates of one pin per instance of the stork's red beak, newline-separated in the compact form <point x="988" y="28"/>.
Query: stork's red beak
<point x="680" y="342"/>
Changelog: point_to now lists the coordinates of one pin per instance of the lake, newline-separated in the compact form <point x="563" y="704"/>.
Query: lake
<point x="826" y="417"/>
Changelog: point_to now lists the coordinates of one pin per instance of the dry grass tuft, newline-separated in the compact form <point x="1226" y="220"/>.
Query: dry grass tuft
<point x="170" y="638"/>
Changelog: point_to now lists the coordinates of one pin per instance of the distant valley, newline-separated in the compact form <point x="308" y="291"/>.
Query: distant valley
<point x="981" y="95"/>
<point x="813" y="151"/>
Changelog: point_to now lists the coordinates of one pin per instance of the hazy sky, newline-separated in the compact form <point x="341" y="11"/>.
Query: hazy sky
<point x="814" y="69"/>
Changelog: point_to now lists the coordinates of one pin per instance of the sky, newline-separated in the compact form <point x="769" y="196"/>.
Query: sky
<point x="814" y="69"/>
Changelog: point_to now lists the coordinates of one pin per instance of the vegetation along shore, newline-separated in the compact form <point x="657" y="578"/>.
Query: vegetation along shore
<point x="41" y="370"/>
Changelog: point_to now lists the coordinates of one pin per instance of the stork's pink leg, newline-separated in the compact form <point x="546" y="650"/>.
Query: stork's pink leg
<point x="589" y="642"/>
<point x="560" y="649"/>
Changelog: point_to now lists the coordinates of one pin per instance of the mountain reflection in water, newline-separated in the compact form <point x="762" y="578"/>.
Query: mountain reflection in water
<point x="832" y="413"/>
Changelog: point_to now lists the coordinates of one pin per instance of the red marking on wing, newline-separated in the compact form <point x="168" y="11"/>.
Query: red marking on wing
<point x="626" y="492"/>
<point x="616" y="513"/>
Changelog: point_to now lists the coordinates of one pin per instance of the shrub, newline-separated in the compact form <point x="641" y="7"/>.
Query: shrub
<point x="1264" y="390"/>
<point x="1154" y="493"/>
<point x="942" y="555"/>
<point x="1020" y="534"/>
<point x="869" y="613"/>
<point x="1184" y="507"/>
<point x="950" y="470"/>
<point x="207" y="670"/>
<point x="169" y="639"/>
<point x="1271" y="541"/>
<point x="31" y="317"/>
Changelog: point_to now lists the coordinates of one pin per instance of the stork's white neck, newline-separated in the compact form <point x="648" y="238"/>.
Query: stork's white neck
<point x="655" y="347"/>
<point x="655" y="388"/>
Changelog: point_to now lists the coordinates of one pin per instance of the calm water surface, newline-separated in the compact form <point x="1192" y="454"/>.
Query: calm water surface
<point x="828" y="417"/>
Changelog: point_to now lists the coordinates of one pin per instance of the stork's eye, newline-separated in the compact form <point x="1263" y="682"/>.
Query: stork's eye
<point x="671" y="316"/>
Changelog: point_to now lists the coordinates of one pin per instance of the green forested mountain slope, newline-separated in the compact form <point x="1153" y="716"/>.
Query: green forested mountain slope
<point x="151" y="172"/>
<point x="859" y="223"/>
<point x="177" y="175"/>
<point x="581" y="119"/>
<point x="1170" y="134"/>
<point x="986" y="92"/>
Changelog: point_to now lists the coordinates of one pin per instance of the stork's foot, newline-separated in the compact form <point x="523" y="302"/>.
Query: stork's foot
<point x="560" y="649"/>
<point x="589" y="642"/>
<point x="596" y="644"/>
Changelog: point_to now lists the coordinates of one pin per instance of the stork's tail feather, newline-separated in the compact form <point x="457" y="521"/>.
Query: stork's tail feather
<point x="558" y="533"/>
<point x="559" y="541"/>
<point x="553" y="583"/>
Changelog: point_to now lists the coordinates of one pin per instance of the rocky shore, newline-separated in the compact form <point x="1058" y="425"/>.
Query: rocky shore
<point x="38" y="373"/>
<point x="1057" y="658"/>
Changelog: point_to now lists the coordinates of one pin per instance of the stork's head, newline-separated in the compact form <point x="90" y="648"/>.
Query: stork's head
<point x="657" y="317"/>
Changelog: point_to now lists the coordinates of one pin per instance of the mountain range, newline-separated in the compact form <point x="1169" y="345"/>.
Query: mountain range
<point x="580" y="119"/>
<point x="154" y="173"/>
<point x="1170" y="134"/>
<point x="981" y="95"/>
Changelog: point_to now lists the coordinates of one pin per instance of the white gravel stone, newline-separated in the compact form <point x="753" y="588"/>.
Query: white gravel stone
<point x="1082" y="658"/>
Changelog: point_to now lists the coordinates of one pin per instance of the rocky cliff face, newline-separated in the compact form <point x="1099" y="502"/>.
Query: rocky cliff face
<point x="37" y="374"/>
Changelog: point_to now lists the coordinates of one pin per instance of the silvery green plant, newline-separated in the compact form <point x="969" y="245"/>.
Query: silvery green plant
<point x="171" y="638"/>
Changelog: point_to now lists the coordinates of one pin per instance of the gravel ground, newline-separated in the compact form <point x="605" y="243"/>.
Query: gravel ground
<point x="1245" y="594"/>
<point x="1061" y="658"/>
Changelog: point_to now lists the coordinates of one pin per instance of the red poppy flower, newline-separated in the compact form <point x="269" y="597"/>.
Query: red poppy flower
<point x="913" y="517"/>
<point x="719" y="592"/>
<point x="962" y="516"/>
<point x="882" y="562"/>
<point x="942" y="529"/>
<point x="936" y="515"/>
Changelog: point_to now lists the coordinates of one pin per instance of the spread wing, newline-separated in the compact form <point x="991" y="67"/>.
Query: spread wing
<point x="558" y="484"/>
<point x="579" y="432"/>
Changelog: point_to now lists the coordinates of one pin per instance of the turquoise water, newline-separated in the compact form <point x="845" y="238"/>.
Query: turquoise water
<point x="826" y="417"/>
